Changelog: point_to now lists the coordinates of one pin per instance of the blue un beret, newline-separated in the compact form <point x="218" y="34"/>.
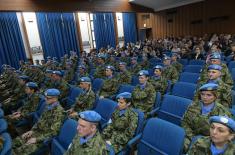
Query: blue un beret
<point x="101" y="55"/>
<point x="24" y="77"/>
<point x="57" y="73"/>
<point x="143" y="72"/>
<point x="229" y="122"/>
<point x="85" y="79"/>
<point x="215" y="67"/>
<point x="49" y="71"/>
<point x="215" y="56"/>
<point x="31" y="85"/>
<point x="166" y="57"/>
<point x="125" y="95"/>
<point x="52" y="92"/>
<point x="82" y="66"/>
<point x="134" y="58"/>
<point x="122" y="63"/>
<point x="90" y="116"/>
<point x="110" y="67"/>
<point x="208" y="86"/>
<point x="158" y="67"/>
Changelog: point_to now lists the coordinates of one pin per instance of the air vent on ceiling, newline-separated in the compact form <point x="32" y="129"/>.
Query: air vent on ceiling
<point x="219" y="18"/>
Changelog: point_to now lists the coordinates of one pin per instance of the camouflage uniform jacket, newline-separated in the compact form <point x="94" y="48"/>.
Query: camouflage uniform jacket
<point x="223" y="92"/>
<point x="122" y="128"/>
<point x="109" y="88"/>
<point x="84" y="101"/>
<point x="160" y="84"/>
<point x="226" y="76"/>
<point x="202" y="147"/>
<point x="195" y="123"/>
<point x="69" y="74"/>
<point x="124" y="77"/>
<point x="95" y="146"/>
<point x="144" y="99"/>
<point x="30" y="105"/>
<point x="170" y="73"/>
<point x="178" y="66"/>
<point x="135" y="69"/>
<point x="100" y="72"/>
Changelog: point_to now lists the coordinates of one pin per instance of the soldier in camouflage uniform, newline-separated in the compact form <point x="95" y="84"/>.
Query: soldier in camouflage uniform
<point x="124" y="76"/>
<point x="85" y="100"/>
<point x="124" y="123"/>
<point x="222" y="131"/>
<point x="30" y="104"/>
<point x="226" y="77"/>
<point x="158" y="81"/>
<point x="82" y="72"/>
<point x="196" y="118"/>
<point x="88" y="140"/>
<point x="48" y="126"/>
<point x="169" y="71"/>
<point x="144" y="94"/>
<point x="224" y="91"/>
<point x="100" y="69"/>
<point x="69" y="72"/>
<point x="134" y="67"/>
<point x="110" y="85"/>
<point x="175" y="63"/>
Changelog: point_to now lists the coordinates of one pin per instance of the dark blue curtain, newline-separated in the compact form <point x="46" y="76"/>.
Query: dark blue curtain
<point x="11" y="42"/>
<point x="129" y="27"/>
<point x="58" y="33"/>
<point x="104" y="30"/>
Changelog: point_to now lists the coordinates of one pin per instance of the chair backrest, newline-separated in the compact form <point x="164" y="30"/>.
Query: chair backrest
<point x="97" y="84"/>
<point x="3" y="125"/>
<point x="161" y="137"/>
<point x="231" y="65"/>
<point x="67" y="132"/>
<point x="105" y="107"/>
<point x="173" y="108"/>
<point x="233" y="74"/>
<point x="74" y="92"/>
<point x="184" y="89"/>
<point x="193" y="68"/>
<point x="6" y="150"/>
<point x="197" y="62"/>
<point x="126" y="88"/>
<point x="184" y="62"/>
<point x="134" y="80"/>
<point x="189" y="77"/>
<point x="140" y="121"/>
<point x="1" y="113"/>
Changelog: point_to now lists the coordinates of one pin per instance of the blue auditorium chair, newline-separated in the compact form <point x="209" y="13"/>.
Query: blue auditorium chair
<point x="134" y="80"/>
<point x="189" y="77"/>
<point x="184" y="89"/>
<point x="73" y="93"/>
<point x="105" y="107"/>
<point x="193" y="68"/>
<point x="231" y="65"/>
<point x="159" y="137"/>
<point x="61" y="143"/>
<point x="6" y="150"/>
<point x="184" y="62"/>
<point x="172" y="108"/>
<point x="3" y="125"/>
<point x="125" y="88"/>
<point x="97" y="84"/>
<point x="1" y="113"/>
<point x="197" y="62"/>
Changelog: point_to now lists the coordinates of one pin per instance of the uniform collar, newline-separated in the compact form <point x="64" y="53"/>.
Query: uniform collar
<point x="216" y="151"/>
<point x="207" y="109"/>
<point x="51" y="106"/>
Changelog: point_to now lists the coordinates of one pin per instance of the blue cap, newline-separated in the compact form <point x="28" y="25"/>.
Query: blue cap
<point x="122" y="63"/>
<point x="31" y="85"/>
<point x="85" y="79"/>
<point x="101" y="55"/>
<point x="49" y="71"/>
<point x="225" y="120"/>
<point x="215" y="56"/>
<point x="215" y="67"/>
<point x="143" y="72"/>
<point x="24" y="77"/>
<point x="166" y="57"/>
<point x="57" y="73"/>
<point x="90" y="116"/>
<point x="158" y="67"/>
<point x="110" y="67"/>
<point x="208" y="87"/>
<point x="52" y="92"/>
<point x="125" y="95"/>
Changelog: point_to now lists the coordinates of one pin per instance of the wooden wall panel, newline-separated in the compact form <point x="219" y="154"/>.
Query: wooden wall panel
<point x="196" y="19"/>
<point x="71" y="5"/>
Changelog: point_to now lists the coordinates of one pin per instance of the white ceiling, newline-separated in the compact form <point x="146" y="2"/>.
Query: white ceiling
<point x="158" y="5"/>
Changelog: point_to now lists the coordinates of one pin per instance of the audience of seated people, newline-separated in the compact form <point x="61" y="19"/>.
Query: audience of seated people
<point x="208" y="115"/>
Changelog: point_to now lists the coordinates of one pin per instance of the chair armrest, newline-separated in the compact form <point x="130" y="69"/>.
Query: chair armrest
<point x="134" y="141"/>
<point x="154" y="111"/>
